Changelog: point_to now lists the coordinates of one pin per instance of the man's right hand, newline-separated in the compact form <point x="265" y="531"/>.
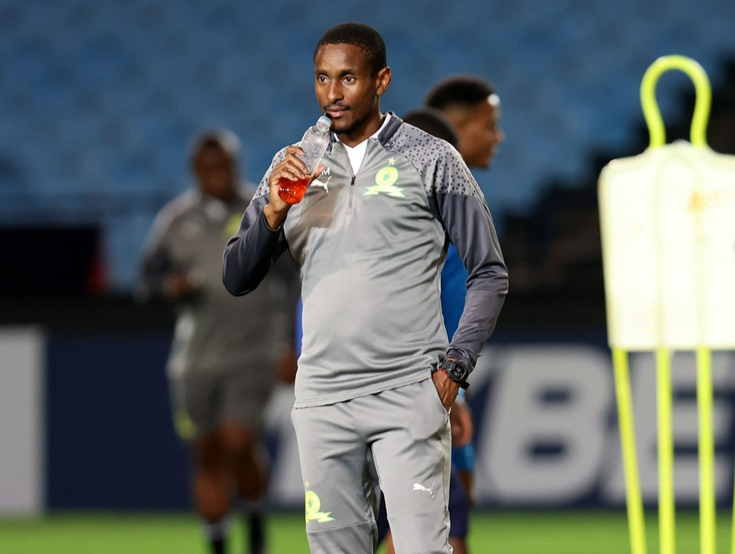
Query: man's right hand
<point x="292" y="167"/>
<point x="461" y="421"/>
<point x="179" y="286"/>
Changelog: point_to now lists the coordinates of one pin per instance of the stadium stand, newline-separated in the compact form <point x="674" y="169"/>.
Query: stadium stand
<point x="98" y="99"/>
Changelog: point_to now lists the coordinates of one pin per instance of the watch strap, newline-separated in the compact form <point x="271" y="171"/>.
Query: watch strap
<point x="457" y="371"/>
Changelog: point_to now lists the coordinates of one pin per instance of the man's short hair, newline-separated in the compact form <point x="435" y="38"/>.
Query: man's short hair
<point x="358" y="34"/>
<point x="433" y="122"/>
<point x="224" y="139"/>
<point x="460" y="90"/>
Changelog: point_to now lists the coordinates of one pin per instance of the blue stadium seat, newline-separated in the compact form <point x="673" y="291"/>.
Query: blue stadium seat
<point x="100" y="99"/>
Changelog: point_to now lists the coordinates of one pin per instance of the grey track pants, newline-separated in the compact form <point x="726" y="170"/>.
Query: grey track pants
<point x="400" y="437"/>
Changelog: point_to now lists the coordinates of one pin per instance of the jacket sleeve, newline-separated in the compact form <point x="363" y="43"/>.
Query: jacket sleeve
<point x="467" y="220"/>
<point x="156" y="263"/>
<point x="250" y="253"/>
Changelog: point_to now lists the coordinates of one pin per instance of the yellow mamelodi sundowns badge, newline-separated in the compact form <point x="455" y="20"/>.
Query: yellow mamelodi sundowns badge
<point x="313" y="505"/>
<point x="385" y="180"/>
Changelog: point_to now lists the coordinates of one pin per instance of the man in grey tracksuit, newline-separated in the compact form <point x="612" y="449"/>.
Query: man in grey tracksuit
<point x="225" y="351"/>
<point x="369" y="240"/>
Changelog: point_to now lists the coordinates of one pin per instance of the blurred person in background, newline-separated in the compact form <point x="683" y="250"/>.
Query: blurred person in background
<point x="465" y="111"/>
<point x="433" y="122"/>
<point x="226" y="351"/>
<point x="471" y="106"/>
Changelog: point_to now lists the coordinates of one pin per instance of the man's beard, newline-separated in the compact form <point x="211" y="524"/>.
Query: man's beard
<point x="351" y="127"/>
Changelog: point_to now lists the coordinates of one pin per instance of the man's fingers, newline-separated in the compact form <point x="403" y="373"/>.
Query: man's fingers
<point x="293" y="160"/>
<point x="318" y="171"/>
<point x="290" y="173"/>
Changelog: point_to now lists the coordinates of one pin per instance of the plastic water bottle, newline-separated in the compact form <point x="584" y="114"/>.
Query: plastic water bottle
<point x="314" y="144"/>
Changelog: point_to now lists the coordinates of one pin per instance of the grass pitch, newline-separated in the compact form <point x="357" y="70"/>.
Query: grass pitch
<point x="493" y="532"/>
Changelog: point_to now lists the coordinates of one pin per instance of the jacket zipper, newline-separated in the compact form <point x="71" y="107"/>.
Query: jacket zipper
<point x="352" y="193"/>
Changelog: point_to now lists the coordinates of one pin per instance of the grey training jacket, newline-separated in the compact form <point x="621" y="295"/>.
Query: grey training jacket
<point x="370" y="248"/>
<point x="214" y="332"/>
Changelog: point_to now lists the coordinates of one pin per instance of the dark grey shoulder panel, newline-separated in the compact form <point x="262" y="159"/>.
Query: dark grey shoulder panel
<point x="394" y="123"/>
<point x="458" y="203"/>
<point x="440" y="166"/>
<point x="470" y="227"/>
<point x="264" y="188"/>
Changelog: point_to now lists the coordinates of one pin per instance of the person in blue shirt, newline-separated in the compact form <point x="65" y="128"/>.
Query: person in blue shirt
<point x="465" y="111"/>
<point x="472" y="107"/>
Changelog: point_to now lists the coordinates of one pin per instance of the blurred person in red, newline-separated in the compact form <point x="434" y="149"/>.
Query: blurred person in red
<point x="226" y="351"/>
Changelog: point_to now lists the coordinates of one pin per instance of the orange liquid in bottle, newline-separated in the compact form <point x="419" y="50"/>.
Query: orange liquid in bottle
<point x="292" y="192"/>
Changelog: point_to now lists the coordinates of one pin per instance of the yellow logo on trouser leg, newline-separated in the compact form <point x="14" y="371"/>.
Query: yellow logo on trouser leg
<point x="185" y="427"/>
<point x="313" y="504"/>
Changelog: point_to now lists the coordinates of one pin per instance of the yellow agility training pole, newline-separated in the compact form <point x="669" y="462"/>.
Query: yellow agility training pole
<point x="666" y="223"/>
<point x="706" y="452"/>
<point x="667" y="503"/>
<point x="636" y="522"/>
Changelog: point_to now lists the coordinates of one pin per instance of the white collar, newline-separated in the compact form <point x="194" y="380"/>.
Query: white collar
<point x="357" y="153"/>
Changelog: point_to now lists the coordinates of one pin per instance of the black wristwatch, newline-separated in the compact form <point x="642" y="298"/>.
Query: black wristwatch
<point x="457" y="371"/>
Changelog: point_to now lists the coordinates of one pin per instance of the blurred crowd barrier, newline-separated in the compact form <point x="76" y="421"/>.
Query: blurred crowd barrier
<point x="85" y="424"/>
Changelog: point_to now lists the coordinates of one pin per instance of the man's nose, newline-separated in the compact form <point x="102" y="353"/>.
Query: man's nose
<point x="334" y="92"/>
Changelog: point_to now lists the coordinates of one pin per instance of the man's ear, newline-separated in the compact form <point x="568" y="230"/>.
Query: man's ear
<point x="384" y="78"/>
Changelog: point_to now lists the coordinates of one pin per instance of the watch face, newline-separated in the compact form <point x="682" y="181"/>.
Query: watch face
<point x="457" y="371"/>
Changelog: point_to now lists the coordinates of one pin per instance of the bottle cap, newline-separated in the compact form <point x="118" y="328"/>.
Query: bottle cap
<point x="324" y="120"/>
